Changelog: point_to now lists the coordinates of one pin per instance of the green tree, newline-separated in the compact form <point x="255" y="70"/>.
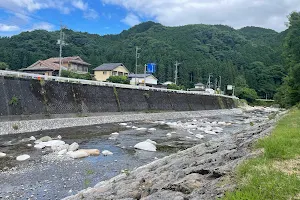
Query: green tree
<point x="248" y="94"/>
<point x="69" y="74"/>
<point x="175" y="87"/>
<point x="289" y="93"/>
<point x="3" y="66"/>
<point x="118" y="79"/>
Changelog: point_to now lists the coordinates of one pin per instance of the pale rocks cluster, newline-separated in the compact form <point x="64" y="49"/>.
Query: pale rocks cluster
<point x="196" y="127"/>
<point x="59" y="148"/>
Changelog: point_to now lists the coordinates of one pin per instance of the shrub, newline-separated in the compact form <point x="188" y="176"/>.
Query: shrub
<point x="175" y="87"/>
<point x="118" y="79"/>
<point x="246" y="93"/>
<point x="69" y="74"/>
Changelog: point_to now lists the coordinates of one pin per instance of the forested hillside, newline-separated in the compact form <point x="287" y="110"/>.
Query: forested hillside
<point x="250" y="53"/>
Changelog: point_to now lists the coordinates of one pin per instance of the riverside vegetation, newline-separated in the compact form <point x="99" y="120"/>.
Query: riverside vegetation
<point x="275" y="173"/>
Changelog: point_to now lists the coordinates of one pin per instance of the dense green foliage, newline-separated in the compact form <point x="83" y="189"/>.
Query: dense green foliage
<point x="118" y="79"/>
<point x="3" y="66"/>
<point x="69" y="74"/>
<point x="289" y="92"/>
<point x="175" y="87"/>
<point x="201" y="49"/>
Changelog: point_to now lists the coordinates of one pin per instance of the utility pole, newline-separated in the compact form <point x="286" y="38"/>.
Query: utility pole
<point x="209" y="81"/>
<point x="220" y="82"/>
<point x="176" y="72"/>
<point x="137" y="55"/>
<point x="61" y="43"/>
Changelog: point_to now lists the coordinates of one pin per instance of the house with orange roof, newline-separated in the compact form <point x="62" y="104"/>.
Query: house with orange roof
<point x="50" y="66"/>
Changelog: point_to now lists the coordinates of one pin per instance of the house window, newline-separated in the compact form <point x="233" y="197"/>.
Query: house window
<point x="104" y="73"/>
<point x="120" y="73"/>
<point x="115" y="73"/>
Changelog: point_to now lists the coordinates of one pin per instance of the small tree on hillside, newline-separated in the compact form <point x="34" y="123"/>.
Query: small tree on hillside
<point x="3" y="66"/>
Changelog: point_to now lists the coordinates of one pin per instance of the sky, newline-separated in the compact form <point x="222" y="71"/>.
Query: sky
<point x="113" y="16"/>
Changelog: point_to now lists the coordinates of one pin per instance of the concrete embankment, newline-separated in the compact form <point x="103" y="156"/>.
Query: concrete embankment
<point x="24" y="98"/>
<point x="201" y="172"/>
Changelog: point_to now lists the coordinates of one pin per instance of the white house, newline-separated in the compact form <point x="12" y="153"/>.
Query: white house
<point x="140" y="79"/>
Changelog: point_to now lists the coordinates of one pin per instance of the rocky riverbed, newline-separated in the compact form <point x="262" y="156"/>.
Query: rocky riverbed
<point x="193" y="155"/>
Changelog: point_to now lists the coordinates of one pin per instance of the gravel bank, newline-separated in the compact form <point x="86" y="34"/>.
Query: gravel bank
<point x="49" y="124"/>
<point x="201" y="172"/>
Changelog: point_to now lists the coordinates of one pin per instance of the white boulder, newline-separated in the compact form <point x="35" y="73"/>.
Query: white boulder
<point x="151" y="141"/>
<point x="146" y="146"/>
<point x="115" y="134"/>
<point x="134" y="127"/>
<point x="107" y="153"/>
<point x="2" y="155"/>
<point x="210" y="132"/>
<point x="73" y="147"/>
<point x="123" y="124"/>
<point x="23" y="157"/>
<point x="59" y="137"/>
<point x="199" y="136"/>
<point x="32" y="138"/>
<point x="79" y="154"/>
<point x="62" y="152"/>
<point x="40" y="145"/>
<point x="141" y="129"/>
<point x="29" y="145"/>
<point x="152" y="129"/>
<point x="53" y="143"/>
<point x="91" y="152"/>
<point x="45" y="139"/>
<point x="169" y="134"/>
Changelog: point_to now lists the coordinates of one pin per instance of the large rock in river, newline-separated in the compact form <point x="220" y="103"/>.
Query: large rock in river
<point x="78" y="154"/>
<point x="2" y="155"/>
<point x="146" y="146"/>
<point x="91" y="152"/>
<point x="73" y="147"/>
<point x="23" y="157"/>
<point x="45" y="139"/>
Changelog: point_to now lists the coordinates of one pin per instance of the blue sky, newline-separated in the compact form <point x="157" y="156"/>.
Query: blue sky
<point x="113" y="16"/>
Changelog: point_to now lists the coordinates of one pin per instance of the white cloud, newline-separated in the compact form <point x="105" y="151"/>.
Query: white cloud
<point x="8" y="28"/>
<point x="131" y="19"/>
<point x="80" y="5"/>
<point x="42" y="26"/>
<point x="236" y="13"/>
<point x="90" y="14"/>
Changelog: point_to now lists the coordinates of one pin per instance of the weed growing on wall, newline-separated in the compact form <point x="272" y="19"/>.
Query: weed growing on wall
<point x="14" y="101"/>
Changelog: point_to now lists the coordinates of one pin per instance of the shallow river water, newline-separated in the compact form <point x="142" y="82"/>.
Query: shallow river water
<point x="47" y="176"/>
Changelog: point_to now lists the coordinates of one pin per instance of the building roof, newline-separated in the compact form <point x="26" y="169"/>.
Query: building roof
<point x="108" y="66"/>
<point x="199" y="84"/>
<point x="140" y="76"/>
<point x="73" y="59"/>
<point x="42" y="65"/>
<point x="53" y="63"/>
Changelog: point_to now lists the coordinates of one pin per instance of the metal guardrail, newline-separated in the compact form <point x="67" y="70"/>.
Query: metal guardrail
<point x="99" y="83"/>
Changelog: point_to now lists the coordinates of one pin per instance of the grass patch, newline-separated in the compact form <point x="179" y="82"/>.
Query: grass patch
<point x="274" y="174"/>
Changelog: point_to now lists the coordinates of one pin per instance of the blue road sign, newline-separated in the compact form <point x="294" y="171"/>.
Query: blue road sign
<point x="151" y="67"/>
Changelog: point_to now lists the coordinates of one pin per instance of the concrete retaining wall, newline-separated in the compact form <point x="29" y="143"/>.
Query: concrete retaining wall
<point x="34" y="97"/>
